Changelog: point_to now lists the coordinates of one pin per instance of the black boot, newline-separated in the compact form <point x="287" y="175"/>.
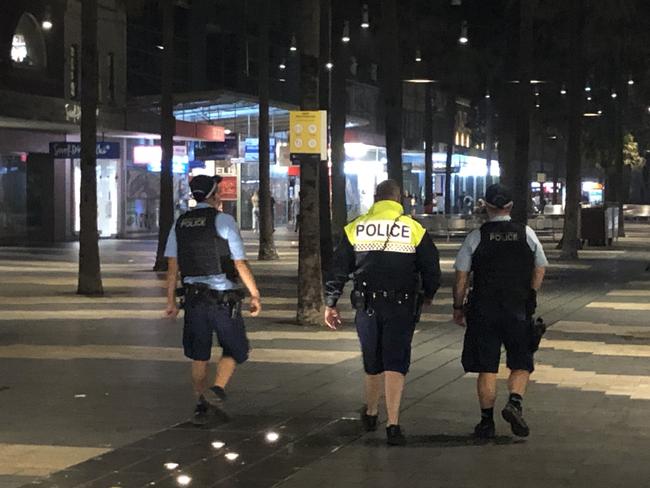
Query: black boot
<point x="394" y="436"/>
<point x="369" y="422"/>
<point x="512" y="413"/>
<point x="485" y="429"/>
<point x="201" y="415"/>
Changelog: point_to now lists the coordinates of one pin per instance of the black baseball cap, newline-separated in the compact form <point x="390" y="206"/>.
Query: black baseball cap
<point x="498" y="195"/>
<point x="204" y="186"/>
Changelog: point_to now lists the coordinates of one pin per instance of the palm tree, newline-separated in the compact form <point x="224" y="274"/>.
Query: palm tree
<point x="90" y="280"/>
<point x="310" y="286"/>
<point x="267" y="249"/>
<point x="167" y="130"/>
<point x="391" y="87"/>
<point x="520" y="179"/>
<point x="337" y="121"/>
<point x="428" y="144"/>
<point x="570" y="243"/>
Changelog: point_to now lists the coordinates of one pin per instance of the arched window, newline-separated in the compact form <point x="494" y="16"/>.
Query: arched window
<point x="28" y="45"/>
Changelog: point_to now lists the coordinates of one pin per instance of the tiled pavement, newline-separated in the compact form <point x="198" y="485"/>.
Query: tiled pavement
<point x="102" y="382"/>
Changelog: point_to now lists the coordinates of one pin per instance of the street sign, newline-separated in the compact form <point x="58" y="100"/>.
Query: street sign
<point x="308" y="132"/>
<point x="541" y="177"/>
<point x="72" y="150"/>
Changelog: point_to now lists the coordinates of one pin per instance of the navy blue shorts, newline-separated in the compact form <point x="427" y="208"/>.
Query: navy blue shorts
<point x="491" y="325"/>
<point x="202" y="319"/>
<point x="386" y="337"/>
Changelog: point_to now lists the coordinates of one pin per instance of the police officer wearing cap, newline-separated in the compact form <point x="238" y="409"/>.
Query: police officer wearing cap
<point x="395" y="268"/>
<point x="507" y="264"/>
<point x="206" y="247"/>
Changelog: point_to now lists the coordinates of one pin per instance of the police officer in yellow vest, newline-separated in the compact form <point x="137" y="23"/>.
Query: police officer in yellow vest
<point x="395" y="268"/>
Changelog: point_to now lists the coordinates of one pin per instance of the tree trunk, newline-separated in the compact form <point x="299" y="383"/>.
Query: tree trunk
<point x="326" y="245"/>
<point x="391" y="88"/>
<point x="90" y="280"/>
<point x="267" y="249"/>
<point x="167" y="130"/>
<point x="622" y="183"/>
<point x="310" y="285"/>
<point x="337" y="122"/>
<point x="489" y="140"/>
<point x="428" y="144"/>
<point x="570" y="242"/>
<point x="520" y="181"/>
<point x="451" y="139"/>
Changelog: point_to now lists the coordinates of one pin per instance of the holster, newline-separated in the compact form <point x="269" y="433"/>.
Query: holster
<point x="538" y="329"/>
<point x="418" y="303"/>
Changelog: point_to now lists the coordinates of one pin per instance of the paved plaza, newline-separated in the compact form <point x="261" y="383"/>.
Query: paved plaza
<point x="95" y="392"/>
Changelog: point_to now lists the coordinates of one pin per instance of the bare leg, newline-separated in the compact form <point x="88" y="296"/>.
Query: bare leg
<point x="394" y="388"/>
<point x="225" y="369"/>
<point x="517" y="381"/>
<point x="199" y="377"/>
<point x="486" y="386"/>
<point x="373" y="392"/>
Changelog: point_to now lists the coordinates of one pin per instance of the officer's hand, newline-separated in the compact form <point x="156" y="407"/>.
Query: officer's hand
<point x="459" y="317"/>
<point x="171" y="311"/>
<point x="332" y="318"/>
<point x="255" y="306"/>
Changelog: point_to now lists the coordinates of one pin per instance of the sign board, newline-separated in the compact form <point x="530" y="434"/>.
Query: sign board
<point x="252" y="150"/>
<point x="308" y="132"/>
<point x="219" y="151"/>
<point x="541" y="177"/>
<point x="72" y="150"/>
<point x="153" y="154"/>
<point x="228" y="188"/>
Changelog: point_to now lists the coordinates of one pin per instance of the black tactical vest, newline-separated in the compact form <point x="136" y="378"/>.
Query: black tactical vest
<point x="503" y="262"/>
<point x="201" y="251"/>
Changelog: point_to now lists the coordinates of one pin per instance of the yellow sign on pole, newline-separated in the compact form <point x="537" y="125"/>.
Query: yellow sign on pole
<point x="308" y="132"/>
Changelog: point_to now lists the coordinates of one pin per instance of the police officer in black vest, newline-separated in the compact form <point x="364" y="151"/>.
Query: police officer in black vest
<point x="507" y="264"/>
<point x="206" y="247"/>
<point x="387" y="254"/>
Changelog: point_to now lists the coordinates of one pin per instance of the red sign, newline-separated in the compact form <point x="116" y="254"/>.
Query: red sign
<point x="228" y="188"/>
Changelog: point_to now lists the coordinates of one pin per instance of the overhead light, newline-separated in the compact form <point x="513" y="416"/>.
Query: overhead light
<point x="591" y="114"/>
<point x="463" y="39"/>
<point x="487" y="94"/>
<point x="589" y="98"/>
<point x="537" y="105"/>
<point x="272" y="436"/>
<point x="346" y="32"/>
<point x="630" y="82"/>
<point x="282" y="80"/>
<point x="231" y="456"/>
<point x="418" y="56"/>
<point x="536" y="92"/>
<point x="227" y="132"/>
<point x="365" y="17"/>
<point x="46" y="23"/>
<point x="536" y="82"/>
<point x="456" y="3"/>
<point x="587" y="88"/>
<point x="171" y="466"/>
<point x="329" y="65"/>
<point x="294" y="45"/>
<point x="419" y="80"/>
<point x="160" y="46"/>
<point x="218" y="444"/>
<point x="614" y="95"/>
<point x="183" y="480"/>
<point x="282" y="65"/>
<point x="563" y="90"/>
<point x="600" y="112"/>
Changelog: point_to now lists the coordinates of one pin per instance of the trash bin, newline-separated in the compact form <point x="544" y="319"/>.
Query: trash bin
<point x="599" y="225"/>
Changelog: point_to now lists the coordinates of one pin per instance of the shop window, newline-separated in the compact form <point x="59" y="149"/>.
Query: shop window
<point x="28" y="44"/>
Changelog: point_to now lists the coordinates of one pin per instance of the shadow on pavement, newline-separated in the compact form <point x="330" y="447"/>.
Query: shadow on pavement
<point x="446" y="440"/>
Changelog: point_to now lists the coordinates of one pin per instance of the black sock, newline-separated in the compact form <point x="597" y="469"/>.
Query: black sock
<point x="516" y="399"/>
<point x="487" y="414"/>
